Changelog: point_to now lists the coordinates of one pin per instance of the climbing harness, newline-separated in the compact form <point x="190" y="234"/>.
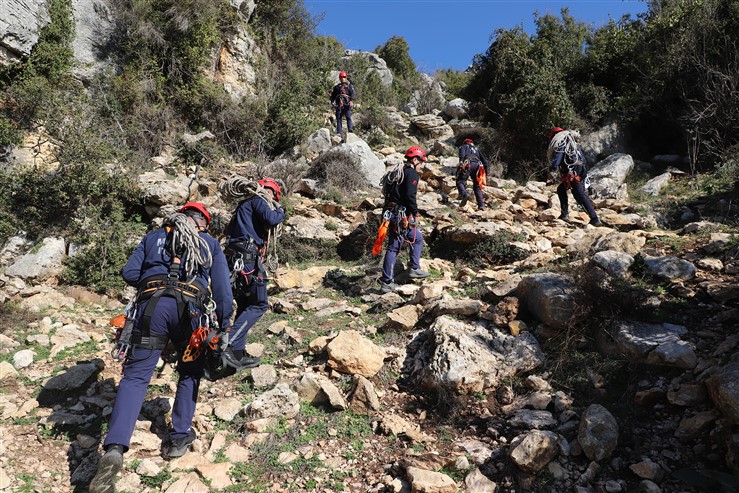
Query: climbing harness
<point x="182" y="241"/>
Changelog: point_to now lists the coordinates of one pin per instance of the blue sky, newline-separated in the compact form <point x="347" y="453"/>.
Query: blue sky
<point x="448" y="33"/>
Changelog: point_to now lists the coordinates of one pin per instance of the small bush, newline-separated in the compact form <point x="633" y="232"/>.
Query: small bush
<point x="338" y="169"/>
<point x="294" y="250"/>
<point x="495" y="250"/>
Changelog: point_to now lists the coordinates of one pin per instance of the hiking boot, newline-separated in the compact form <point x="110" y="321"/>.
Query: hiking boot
<point x="417" y="274"/>
<point x="388" y="287"/>
<point x="596" y="222"/>
<point x="464" y="200"/>
<point x="179" y="446"/>
<point x="249" y="362"/>
<point x="108" y="467"/>
<point x="564" y="217"/>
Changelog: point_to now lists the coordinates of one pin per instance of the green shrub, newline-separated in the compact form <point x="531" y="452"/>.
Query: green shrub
<point x="396" y="54"/>
<point x="454" y="81"/>
<point x="104" y="235"/>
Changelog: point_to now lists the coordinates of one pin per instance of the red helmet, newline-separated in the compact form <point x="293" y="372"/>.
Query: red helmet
<point x="342" y="74"/>
<point x="468" y="141"/>
<point x="554" y="132"/>
<point x="197" y="207"/>
<point x="415" y="151"/>
<point x="272" y="185"/>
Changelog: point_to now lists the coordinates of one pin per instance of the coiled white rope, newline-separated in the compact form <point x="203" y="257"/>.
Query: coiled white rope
<point x="188" y="245"/>
<point x="565" y="141"/>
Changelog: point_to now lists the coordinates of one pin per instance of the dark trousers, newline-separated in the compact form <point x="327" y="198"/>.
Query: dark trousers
<point x="249" y="308"/>
<point x="578" y="191"/>
<point x="137" y="371"/>
<point x="462" y="181"/>
<point x="344" y="110"/>
<point x="395" y="243"/>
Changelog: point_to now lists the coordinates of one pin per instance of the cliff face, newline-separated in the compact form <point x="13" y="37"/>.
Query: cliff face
<point x="20" y="23"/>
<point x="22" y="20"/>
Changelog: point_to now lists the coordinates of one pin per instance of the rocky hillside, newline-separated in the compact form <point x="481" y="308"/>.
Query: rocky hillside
<point x="539" y="356"/>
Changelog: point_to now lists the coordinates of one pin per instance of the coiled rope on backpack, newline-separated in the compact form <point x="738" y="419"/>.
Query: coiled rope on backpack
<point x="566" y="142"/>
<point x="187" y="244"/>
<point x="241" y="188"/>
<point x="392" y="178"/>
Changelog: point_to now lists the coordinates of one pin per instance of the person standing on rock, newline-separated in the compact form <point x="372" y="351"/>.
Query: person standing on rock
<point x="342" y="99"/>
<point x="566" y="156"/>
<point x="472" y="163"/>
<point x="172" y="267"/>
<point x="250" y="232"/>
<point x="401" y="188"/>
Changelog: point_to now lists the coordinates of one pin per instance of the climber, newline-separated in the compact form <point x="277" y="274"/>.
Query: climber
<point x="342" y="99"/>
<point x="400" y="186"/>
<point x="172" y="268"/>
<point x="472" y="162"/>
<point x="249" y="233"/>
<point x="566" y="155"/>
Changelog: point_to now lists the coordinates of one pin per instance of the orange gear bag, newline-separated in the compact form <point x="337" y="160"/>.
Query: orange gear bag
<point x="481" y="177"/>
<point x="381" y="234"/>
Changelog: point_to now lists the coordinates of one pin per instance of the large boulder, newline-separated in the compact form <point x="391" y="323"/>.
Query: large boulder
<point x="460" y="357"/>
<point x="375" y="65"/>
<point x="369" y="165"/>
<point x="608" y="176"/>
<point x="551" y="298"/>
<point x="603" y="142"/>
<point x="657" y="344"/>
<point x="723" y="387"/>
<point x="42" y="263"/>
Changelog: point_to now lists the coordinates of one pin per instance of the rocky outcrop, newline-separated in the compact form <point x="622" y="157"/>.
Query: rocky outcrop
<point x="20" y="23"/>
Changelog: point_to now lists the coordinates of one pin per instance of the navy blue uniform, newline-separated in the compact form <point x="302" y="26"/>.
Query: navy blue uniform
<point x="402" y="195"/>
<point x="342" y="97"/>
<point x="151" y="258"/>
<point x="573" y="172"/>
<point x="470" y="152"/>
<point x="252" y="219"/>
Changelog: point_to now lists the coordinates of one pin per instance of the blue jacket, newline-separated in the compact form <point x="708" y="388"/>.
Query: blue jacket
<point x="252" y="219"/>
<point x="578" y="163"/>
<point x="405" y="193"/>
<point x="151" y="258"/>
<point x="472" y="153"/>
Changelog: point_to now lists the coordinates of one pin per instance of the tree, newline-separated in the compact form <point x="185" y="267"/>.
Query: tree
<point x="395" y="53"/>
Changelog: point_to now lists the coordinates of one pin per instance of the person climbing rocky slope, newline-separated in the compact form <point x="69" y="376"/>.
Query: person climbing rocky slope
<point x="555" y="357"/>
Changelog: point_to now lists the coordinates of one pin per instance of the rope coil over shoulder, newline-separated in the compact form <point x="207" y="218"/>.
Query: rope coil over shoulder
<point x="242" y="189"/>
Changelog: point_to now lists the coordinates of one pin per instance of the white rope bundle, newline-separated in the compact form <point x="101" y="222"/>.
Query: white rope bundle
<point x="187" y="244"/>
<point x="564" y="141"/>
<point x="240" y="188"/>
<point x="393" y="176"/>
